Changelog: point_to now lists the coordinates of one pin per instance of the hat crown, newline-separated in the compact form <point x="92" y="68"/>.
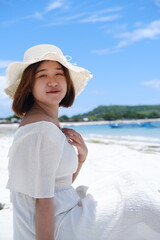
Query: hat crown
<point x="37" y="52"/>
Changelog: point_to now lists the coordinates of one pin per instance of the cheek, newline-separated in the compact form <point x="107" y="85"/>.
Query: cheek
<point x="64" y="84"/>
<point x="36" y="90"/>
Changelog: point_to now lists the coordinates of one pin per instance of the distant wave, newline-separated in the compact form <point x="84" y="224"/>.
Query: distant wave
<point x="136" y="142"/>
<point x="132" y="139"/>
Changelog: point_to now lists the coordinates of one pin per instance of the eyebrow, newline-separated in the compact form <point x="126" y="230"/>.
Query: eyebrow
<point x="41" y="70"/>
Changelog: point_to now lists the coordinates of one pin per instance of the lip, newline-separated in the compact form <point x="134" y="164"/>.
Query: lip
<point x="54" y="91"/>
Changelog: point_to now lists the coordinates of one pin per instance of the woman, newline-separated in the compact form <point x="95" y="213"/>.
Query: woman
<point x="43" y="162"/>
<point x="44" y="86"/>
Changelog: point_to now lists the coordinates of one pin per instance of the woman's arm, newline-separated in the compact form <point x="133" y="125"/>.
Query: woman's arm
<point x="77" y="141"/>
<point x="44" y="219"/>
<point x="77" y="172"/>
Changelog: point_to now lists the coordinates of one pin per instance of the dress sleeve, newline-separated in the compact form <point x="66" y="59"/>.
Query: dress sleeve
<point x="33" y="164"/>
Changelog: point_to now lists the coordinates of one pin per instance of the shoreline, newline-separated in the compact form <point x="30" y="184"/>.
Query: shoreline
<point x="12" y="126"/>
<point x="110" y="122"/>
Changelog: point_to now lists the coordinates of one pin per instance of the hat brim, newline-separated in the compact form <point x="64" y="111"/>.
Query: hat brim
<point x="78" y="75"/>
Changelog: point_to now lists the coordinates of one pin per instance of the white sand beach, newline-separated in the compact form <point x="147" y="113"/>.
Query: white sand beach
<point x="104" y="159"/>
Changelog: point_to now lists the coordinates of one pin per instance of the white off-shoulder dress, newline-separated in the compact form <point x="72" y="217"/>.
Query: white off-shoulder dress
<point x="41" y="165"/>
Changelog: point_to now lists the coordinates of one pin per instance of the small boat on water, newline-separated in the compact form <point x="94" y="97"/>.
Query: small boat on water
<point x="123" y="125"/>
<point x="115" y="125"/>
<point x="147" y="125"/>
<point x="155" y="124"/>
<point x="135" y="125"/>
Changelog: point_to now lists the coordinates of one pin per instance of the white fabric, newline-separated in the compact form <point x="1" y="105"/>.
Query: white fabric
<point x="122" y="207"/>
<point x="36" y="157"/>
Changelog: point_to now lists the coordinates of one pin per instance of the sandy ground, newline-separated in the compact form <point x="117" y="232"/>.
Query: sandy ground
<point x="103" y="160"/>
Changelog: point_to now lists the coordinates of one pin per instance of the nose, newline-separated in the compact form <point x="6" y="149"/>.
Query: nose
<point x="52" y="82"/>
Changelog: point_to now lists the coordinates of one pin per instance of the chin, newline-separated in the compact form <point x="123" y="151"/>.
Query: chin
<point x="54" y="102"/>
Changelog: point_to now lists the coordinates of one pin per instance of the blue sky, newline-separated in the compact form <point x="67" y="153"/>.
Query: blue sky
<point x="117" y="41"/>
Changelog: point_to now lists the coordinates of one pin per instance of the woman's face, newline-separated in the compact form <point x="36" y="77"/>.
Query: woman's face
<point x="50" y="84"/>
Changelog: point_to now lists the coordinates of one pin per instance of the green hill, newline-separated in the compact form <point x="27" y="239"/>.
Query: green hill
<point x="115" y="112"/>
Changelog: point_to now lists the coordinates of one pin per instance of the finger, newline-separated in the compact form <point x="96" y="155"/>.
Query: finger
<point x="67" y="130"/>
<point x="74" y="138"/>
<point x="70" y="133"/>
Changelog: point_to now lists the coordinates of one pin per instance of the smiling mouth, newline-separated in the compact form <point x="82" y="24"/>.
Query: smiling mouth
<point x="56" y="91"/>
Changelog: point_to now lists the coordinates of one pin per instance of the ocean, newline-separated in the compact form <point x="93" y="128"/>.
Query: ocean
<point x="137" y="136"/>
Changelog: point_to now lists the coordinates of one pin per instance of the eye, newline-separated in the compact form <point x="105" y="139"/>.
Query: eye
<point x="59" y="74"/>
<point x="42" y="76"/>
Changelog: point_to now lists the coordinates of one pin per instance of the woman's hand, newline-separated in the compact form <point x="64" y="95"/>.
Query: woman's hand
<point x="76" y="140"/>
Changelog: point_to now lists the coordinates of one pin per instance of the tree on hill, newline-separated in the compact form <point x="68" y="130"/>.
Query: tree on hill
<point x="113" y="112"/>
<point x="64" y="118"/>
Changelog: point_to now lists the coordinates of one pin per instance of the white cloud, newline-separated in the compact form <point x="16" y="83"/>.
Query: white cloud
<point x="95" y="18"/>
<point x="36" y="15"/>
<point x="64" y="20"/>
<point x="108" y="10"/>
<point x="54" y="5"/>
<point x="100" y="16"/>
<point x="4" y="63"/>
<point x="155" y="83"/>
<point x="92" y="17"/>
<point x="114" y="28"/>
<point x="101" y="51"/>
<point x="152" y="31"/>
<point x="138" y="24"/>
<point x="76" y="13"/>
<point x="105" y="51"/>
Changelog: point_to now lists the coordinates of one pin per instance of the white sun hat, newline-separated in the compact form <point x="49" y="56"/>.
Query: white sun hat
<point x="78" y="75"/>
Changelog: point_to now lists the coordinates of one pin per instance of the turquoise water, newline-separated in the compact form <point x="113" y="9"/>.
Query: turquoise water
<point x="105" y="129"/>
<point x="104" y="132"/>
<point x="138" y="136"/>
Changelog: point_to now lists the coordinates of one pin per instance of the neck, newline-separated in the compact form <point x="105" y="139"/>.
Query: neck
<point x="51" y="112"/>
